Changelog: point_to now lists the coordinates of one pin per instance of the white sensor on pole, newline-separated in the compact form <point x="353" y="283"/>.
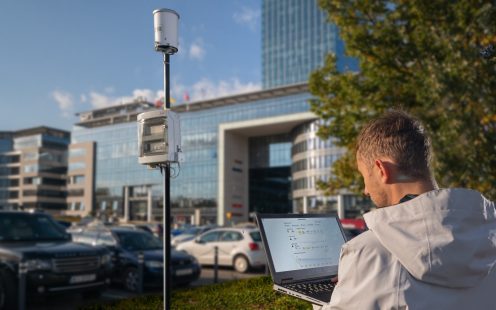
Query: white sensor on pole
<point x="159" y="137"/>
<point x="165" y="22"/>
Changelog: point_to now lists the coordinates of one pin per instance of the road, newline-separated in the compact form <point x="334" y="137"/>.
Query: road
<point x="75" y="301"/>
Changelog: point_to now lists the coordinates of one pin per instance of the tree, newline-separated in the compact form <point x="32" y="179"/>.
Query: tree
<point x="424" y="57"/>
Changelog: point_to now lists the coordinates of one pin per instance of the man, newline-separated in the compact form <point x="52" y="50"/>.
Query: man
<point x="426" y="248"/>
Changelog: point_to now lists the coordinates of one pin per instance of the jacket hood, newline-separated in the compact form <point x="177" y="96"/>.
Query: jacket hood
<point x="444" y="237"/>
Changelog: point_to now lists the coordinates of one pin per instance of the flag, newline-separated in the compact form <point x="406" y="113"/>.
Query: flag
<point x="160" y="102"/>
<point x="186" y="96"/>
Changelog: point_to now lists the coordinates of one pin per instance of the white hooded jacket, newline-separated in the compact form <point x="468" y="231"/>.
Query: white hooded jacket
<point x="436" y="251"/>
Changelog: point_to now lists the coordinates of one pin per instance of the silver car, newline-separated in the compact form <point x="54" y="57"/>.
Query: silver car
<point x="240" y="248"/>
<point x="190" y="234"/>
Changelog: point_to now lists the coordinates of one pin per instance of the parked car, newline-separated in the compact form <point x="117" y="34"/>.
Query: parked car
<point x="64" y="224"/>
<point x="153" y="228"/>
<point x="126" y="244"/>
<point x="55" y="264"/>
<point x="246" y="225"/>
<point x="237" y="247"/>
<point x="190" y="234"/>
<point x="351" y="233"/>
<point x="180" y="229"/>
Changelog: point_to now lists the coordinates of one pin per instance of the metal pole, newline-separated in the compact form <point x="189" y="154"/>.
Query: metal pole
<point x="166" y="211"/>
<point x="23" y="269"/>
<point x="216" y="264"/>
<point x="141" y="261"/>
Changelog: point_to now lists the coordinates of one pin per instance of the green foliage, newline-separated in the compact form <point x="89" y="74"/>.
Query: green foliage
<point x="423" y="57"/>
<point x="254" y="293"/>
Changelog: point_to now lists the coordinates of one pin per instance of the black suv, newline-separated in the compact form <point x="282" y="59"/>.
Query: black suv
<point x="54" y="263"/>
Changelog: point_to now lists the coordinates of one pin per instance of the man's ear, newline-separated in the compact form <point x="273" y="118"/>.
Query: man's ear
<point x="384" y="169"/>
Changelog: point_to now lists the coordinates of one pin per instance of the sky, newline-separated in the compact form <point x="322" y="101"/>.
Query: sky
<point x="60" y="57"/>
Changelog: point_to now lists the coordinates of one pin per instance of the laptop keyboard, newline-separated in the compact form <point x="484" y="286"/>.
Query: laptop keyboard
<point x="320" y="290"/>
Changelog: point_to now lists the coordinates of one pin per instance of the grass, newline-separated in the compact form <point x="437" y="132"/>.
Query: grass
<point x="254" y="293"/>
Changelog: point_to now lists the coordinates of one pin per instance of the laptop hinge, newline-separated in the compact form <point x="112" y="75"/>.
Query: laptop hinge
<point x="284" y="281"/>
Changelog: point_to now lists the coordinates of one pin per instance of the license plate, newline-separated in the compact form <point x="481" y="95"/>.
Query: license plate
<point x="183" y="272"/>
<point x="82" y="278"/>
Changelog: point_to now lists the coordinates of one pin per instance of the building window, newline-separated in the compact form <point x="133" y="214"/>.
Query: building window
<point x="76" y="206"/>
<point x="76" y="166"/>
<point x="44" y="193"/>
<point x="13" y="194"/>
<point x="32" y="181"/>
<point x="8" y="159"/>
<point x="77" y="152"/>
<point x="75" y="192"/>
<point x="77" y="179"/>
<point x="52" y="181"/>
<point x="31" y="168"/>
<point x="280" y="154"/>
<point x="27" y="142"/>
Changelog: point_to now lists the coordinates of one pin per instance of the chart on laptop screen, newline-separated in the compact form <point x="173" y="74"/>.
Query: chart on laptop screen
<point x="302" y="243"/>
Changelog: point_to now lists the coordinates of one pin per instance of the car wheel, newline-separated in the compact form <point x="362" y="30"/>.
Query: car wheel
<point x="241" y="264"/>
<point x="8" y="290"/>
<point x="131" y="279"/>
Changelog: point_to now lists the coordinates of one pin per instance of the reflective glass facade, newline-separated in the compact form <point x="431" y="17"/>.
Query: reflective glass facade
<point x="199" y="138"/>
<point x="116" y="164"/>
<point x="296" y="37"/>
<point x="270" y="174"/>
<point x="196" y="184"/>
<point x="5" y="141"/>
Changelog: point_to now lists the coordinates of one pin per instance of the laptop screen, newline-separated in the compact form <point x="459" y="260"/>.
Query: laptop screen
<point x="299" y="243"/>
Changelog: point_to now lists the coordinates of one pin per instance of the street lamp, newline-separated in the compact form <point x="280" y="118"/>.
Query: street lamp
<point x="159" y="138"/>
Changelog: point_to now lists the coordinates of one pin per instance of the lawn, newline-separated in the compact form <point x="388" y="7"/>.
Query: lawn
<point x="254" y="293"/>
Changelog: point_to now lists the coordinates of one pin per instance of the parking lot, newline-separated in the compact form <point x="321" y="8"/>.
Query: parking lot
<point x="69" y="268"/>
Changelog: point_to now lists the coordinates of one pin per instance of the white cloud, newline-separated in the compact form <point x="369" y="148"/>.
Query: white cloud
<point x="65" y="101"/>
<point x="247" y="16"/>
<point x="99" y="100"/>
<point x="197" y="51"/>
<point x="201" y="90"/>
<point x="207" y="89"/>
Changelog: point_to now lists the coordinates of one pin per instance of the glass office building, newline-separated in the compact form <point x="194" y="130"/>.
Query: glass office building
<point x="122" y="184"/>
<point x="105" y="141"/>
<point x="296" y="37"/>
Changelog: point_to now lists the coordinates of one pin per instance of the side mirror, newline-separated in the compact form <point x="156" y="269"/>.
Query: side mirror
<point x="199" y="240"/>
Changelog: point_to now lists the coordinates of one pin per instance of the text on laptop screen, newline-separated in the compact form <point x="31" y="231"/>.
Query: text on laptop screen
<point x="303" y="243"/>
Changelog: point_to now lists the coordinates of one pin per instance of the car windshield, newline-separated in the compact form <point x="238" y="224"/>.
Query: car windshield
<point x="138" y="241"/>
<point x="29" y="227"/>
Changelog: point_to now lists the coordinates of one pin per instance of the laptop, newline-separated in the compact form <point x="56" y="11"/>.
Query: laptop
<point x="302" y="253"/>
